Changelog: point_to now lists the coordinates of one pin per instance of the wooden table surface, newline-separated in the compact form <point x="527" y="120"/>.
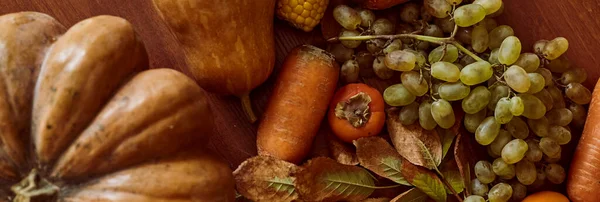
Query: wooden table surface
<point x="235" y="141"/>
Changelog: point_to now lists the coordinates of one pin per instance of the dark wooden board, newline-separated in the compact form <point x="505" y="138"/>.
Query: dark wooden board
<point x="235" y="141"/>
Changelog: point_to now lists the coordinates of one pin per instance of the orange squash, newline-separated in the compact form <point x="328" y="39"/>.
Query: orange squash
<point x="82" y="120"/>
<point x="229" y="45"/>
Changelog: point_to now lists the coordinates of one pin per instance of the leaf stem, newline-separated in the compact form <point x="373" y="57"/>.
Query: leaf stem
<point x="386" y="187"/>
<point x="448" y="184"/>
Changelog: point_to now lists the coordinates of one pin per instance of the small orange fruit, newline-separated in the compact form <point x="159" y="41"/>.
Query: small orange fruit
<point x="546" y="196"/>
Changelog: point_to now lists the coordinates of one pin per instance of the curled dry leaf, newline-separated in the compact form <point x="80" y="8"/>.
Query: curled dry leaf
<point x="324" y="179"/>
<point x="419" y="146"/>
<point x="377" y="155"/>
<point x="264" y="178"/>
<point x="341" y="151"/>
<point x="466" y="153"/>
<point x="425" y="180"/>
<point x="376" y="200"/>
<point x="412" y="195"/>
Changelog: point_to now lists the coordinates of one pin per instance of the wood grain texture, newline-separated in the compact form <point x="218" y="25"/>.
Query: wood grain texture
<point x="236" y="138"/>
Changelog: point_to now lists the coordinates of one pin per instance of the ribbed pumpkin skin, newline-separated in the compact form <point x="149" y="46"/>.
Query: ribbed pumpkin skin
<point x="80" y="106"/>
<point x="228" y="44"/>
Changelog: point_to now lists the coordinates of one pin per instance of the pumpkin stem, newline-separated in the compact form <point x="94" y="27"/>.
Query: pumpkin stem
<point x="33" y="186"/>
<point x="247" y="106"/>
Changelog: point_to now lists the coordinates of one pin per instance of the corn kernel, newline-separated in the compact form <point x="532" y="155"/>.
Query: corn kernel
<point x="308" y="6"/>
<point x="302" y="14"/>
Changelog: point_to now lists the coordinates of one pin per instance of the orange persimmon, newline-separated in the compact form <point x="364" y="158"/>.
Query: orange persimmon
<point x="356" y="110"/>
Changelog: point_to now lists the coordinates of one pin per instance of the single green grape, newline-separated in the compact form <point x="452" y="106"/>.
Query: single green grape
<point x="350" y="43"/>
<point x="557" y="97"/>
<point x="537" y="83"/>
<point x="491" y="153"/>
<point x="534" y="153"/>
<point x="436" y="54"/>
<point x="425" y="118"/>
<point x="502" y="112"/>
<point x="517" y="78"/>
<point x="409" y="114"/>
<point x="480" y="39"/>
<point x="433" y="30"/>
<point x="491" y="6"/>
<point x="559" y="134"/>
<point x="498" y="92"/>
<point x="453" y="91"/>
<point x="478" y="188"/>
<point x="477" y="100"/>
<point x="476" y="73"/>
<point x="526" y="172"/>
<point x="469" y="14"/>
<point x="500" y="192"/>
<point x="472" y="121"/>
<point x="437" y="8"/>
<point x="514" y="151"/>
<point x="547" y="74"/>
<point x="410" y="12"/>
<point x="540" y="180"/>
<point x="519" y="191"/>
<point x="560" y="116"/>
<point x="367" y="17"/>
<point x="579" y="115"/>
<point x="503" y="170"/>
<point x="516" y="106"/>
<point x="546" y="98"/>
<point x="578" y="93"/>
<point x="447" y="24"/>
<point x="554" y="159"/>
<point x="383" y="26"/>
<point x="421" y="58"/>
<point x="559" y="65"/>
<point x="489" y="23"/>
<point x="340" y="52"/>
<point x="555" y="173"/>
<point x="442" y="113"/>
<point x="381" y="70"/>
<point x="501" y="140"/>
<point x="518" y="128"/>
<point x="494" y="56"/>
<point x="346" y="16"/>
<point x="483" y="171"/>
<point x="538" y="46"/>
<point x="398" y="95"/>
<point x="528" y="61"/>
<point x="474" y="198"/>
<point x="555" y="48"/>
<point x="445" y="71"/>
<point x="539" y="126"/>
<point x="498" y="34"/>
<point x="498" y="12"/>
<point x="510" y="50"/>
<point x="487" y="131"/>
<point x="395" y="45"/>
<point x="573" y="75"/>
<point x="349" y="71"/>
<point x="375" y="45"/>
<point x="413" y="83"/>
<point x="550" y="147"/>
<point x="400" y="60"/>
<point x="534" y="108"/>
<point x="463" y="35"/>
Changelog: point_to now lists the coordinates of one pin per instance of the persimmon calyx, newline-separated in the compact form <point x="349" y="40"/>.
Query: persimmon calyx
<point x="33" y="186"/>
<point x="355" y="110"/>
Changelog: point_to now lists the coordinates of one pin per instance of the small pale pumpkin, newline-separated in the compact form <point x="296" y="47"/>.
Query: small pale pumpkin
<point x="82" y="120"/>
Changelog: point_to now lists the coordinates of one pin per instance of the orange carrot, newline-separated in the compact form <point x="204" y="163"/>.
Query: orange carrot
<point x="298" y="104"/>
<point x="583" y="182"/>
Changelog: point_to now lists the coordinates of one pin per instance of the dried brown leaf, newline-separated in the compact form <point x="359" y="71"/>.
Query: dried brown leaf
<point x="466" y="153"/>
<point x="264" y="178"/>
<point x="376" y="200"/>
<point x="324" y="179"/>
<point x="412" y="195"/>
<point x="419" y="146"/>
<point x="377" y="155"/>
<point x="342" y="152"/>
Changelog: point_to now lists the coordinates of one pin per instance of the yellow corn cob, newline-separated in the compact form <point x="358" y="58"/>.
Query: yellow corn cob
<point x="302" y="14"/>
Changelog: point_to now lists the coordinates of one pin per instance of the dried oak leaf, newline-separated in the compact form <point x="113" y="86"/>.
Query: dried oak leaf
<point x="466" y="153"/>
<point x="341" y="151"/>
<point x="324" y="179"/>
<point x="377" y="155"/>
<point x="419" y="146"/>
<point x="412" y="195"/>
<point x="264" y="178"/>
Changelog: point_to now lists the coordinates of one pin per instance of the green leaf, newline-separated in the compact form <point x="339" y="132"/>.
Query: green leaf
<point x="412" y="195"/>
<point x="264" y="178"/>
<point x="283" y="185"/>
<point x="447" y="137"/>
<point x="324" y="179"/>
<point x="377" y="155"/>
<point x="430" y="161"/>
<point x="431" y="186"/>
<point x="455" y="180"/>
